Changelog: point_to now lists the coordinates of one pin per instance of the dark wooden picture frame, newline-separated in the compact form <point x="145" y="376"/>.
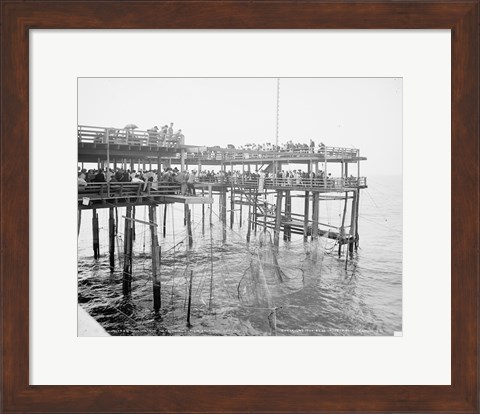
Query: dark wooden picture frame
<point x="18" y="17"/>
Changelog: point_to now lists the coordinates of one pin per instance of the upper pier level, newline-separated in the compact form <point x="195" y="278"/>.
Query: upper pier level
<point x="151" y="146"/>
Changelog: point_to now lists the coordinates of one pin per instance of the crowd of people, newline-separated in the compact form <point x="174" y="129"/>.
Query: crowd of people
<point x="287" y="146"/>
<point x="165" y="136"/>
<point x="185" y="179"/>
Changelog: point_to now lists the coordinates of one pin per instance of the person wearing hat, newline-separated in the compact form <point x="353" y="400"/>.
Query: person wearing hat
<point x="153" y="136"/>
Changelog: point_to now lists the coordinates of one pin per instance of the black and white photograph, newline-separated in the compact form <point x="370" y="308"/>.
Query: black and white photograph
<point x="239" y="206"/>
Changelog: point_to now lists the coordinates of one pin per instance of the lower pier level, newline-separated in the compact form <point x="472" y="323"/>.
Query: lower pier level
<point x="260" y="205"/>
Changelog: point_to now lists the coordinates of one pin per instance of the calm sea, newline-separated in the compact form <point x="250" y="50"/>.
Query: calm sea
<point x="252" y="289"/>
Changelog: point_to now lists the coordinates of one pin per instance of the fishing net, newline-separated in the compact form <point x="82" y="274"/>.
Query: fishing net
<point x="266" y="280"/>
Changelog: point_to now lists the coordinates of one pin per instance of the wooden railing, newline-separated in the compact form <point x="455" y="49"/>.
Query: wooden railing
<point x="97" y="135"/>
<point x="103" y="190"/>
<point x="227" y="155"/>
<point x="336" y="182"/>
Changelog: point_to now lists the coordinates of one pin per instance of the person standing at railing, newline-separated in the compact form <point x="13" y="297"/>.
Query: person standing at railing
<point x="170" y="131"/>
<point x="191" y="183"/>
<point x="136" y="179"/>
<point x="82" y="183"/>
<point x="100" y="177"/>
<point x="261" y="181"/>
<point x="153" y="136"/>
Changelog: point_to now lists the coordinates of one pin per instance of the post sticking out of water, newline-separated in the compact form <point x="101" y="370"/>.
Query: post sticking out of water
<point x="165" y="221"/>
<point x="111" y="238"/>
<point x="278" y="218"/>
<point x="210" y="194"/>
<point x="356" y="221"/>
<point x="352" y="223"/>
<point x="96" y="242"/>
<point x="287" y="234"/>
<point x="203" y="209"/>
<point x="305" y="217"/>
<point x="249" y="215"/>
<point x="189" y="299"/>
<point x="232" y="206"/>
<point x="185" y="208"/>
<point x="315" y="215"/>
<point x="189" y="226"/>
<point x="79" y="220"/>
<point x="224" y="214"/>
<point x="155" y="259"/>
<point x="241" y="208"/>
<point x="133" y="222"/>
<point x="342" y="228"/>
<point x="127" y="263"/>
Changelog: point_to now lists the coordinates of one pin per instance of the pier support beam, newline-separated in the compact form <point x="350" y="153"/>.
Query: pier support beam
<point x="278" y="218"/>
<point x="241" y="208"/>
<point x="128" y="259"/>
<point x="249" y="228"/>
<point x="352" y="222"/>
<point x="189" y="226"/>
<point x="155" y="258"/>
<point x="224" y="214"/>
<point x="232" y="206"/>
<point x="79" y="220"/>
<point x="111" y="238"/>
<point x="210" y="194"/>
<point x="305" y="216"/>
<point x="287" y="234"/>
<point x="357" y="238"/>
<point x="203" y="211"/>
<point x="342" y="228"/>
<point x="96" y="242"/>
<point x="133" y="222"/>
<point x="165" y="221"/>
<point x="315" y="214"/>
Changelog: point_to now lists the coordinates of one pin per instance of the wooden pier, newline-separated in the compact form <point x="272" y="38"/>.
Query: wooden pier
<point x="112" y="148"/>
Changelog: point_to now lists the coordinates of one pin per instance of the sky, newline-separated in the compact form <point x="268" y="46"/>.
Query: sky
<point x="363" y="113"/>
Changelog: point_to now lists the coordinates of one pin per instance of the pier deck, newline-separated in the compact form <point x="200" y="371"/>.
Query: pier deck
<point x="105" y="195"/>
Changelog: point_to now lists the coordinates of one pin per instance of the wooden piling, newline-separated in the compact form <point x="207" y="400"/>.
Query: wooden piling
<point x="189" y="226"/>
<point x="96" y="242"/>
<point x="249" y="215"/>
<point x="352" y="223"/>
<point x="241" y="208"/>
<point x="189" y="299"/>
<point x="165" y="221"/>
<point x="278" y="218"/>
<point x="128" y="259"/>
<point x="287" y="234"/>
<point x="185" y="208"/>
<point x="210" y="195"/>
<point x="133" y="222"/>
<point x="224" y="214"/>
<point x="356" y="220"/>
<point x="255" y="212"/>
<point x="79" y="220"/>
<point x="342" y="228"/>
<point x="232" y="206"/>
<point x="203" y="210"/>
<point x="305" y="216"/>
<point x="315" y="214"/>
<point x="155" y="258"/>
<point x="111" y="238"/>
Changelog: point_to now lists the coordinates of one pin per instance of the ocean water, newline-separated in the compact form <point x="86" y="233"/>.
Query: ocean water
<point x="241" y="288"/>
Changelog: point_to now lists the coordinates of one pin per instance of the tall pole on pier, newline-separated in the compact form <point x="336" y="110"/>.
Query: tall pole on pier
<point x="278" y="110"/>
<point x="107" y="137"/>
<point x="275" y="166"/>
